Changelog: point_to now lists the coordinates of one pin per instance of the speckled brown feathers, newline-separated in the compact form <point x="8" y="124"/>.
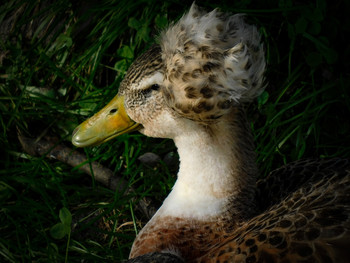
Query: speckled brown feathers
<point x="212" y="62"/>
<point x="156" y="257"/>
<point x="310" y="224"/>
<point x="146" y="64"/>
<point x="189" y="239"/>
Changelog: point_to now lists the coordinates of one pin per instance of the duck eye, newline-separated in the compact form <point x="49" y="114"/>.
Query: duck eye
<point x="155" y="87"/>
<point x="149" y="89"/>
<point x="112" y="111"/>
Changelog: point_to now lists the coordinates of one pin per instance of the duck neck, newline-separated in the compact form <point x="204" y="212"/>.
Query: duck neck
<point x="217" y="170"/>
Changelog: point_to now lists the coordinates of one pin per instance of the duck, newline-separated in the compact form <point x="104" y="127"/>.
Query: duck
<point x="192" y="87"/>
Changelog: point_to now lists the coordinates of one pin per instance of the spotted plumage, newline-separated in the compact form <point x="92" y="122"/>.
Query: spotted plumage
<point x="305" y="219"/>
<point x="191" y="87"/>
<point x="209" y="54"/>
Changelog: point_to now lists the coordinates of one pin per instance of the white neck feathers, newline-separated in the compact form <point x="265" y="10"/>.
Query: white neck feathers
<point x="207" y="175"/>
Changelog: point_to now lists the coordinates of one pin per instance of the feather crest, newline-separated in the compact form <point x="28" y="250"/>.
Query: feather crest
<point x="213" y="61"/>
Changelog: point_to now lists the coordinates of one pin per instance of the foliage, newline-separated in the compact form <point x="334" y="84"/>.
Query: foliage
<point x="62" y="60"/>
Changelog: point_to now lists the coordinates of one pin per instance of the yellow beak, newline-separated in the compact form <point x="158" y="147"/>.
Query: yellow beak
<point x="108" y="123"/>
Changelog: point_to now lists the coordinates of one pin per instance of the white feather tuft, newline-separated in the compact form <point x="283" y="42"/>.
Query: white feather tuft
<point x="242" y="61"/>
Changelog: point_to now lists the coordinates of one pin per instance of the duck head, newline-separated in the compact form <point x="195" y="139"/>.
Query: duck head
<point x="205" y="65"/>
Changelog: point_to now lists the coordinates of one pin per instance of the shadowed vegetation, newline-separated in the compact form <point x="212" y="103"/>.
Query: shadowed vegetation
<point x="61" y="61"/>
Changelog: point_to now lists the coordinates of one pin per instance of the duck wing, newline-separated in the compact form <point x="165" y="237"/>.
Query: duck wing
<point x="307" y="219"/>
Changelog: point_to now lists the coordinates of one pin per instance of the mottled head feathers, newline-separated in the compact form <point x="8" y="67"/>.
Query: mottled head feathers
<point x="210" y="62"/>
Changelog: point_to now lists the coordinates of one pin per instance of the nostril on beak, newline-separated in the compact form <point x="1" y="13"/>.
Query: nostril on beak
<point x="113" y="111"/>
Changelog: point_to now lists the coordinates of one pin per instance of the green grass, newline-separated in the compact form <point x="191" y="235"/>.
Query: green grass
<point x="61" y="62"/>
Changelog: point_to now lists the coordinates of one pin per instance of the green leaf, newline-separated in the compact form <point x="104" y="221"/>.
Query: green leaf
<point x="134" y="23"/>
<point x="330" y="55"/>
<point x="285" y="3"/>
<point x="143" y="33"/>
<point x="161" y="21"/>
<point x="314" y="59"/>
<point x="316" y="15"/>
<point x="121" y="66"/>
<point x="86" y="107"/>
<point x="300" y="25"/>
<point x="62" y="41"/>
<point x="322" y="41"/>
<point x="58" y="231"/>
<point x="40" y="92"/>
<point x="53" y="248"/>
<point x="314" y="28"/>
<point x="262" y="99"/>
<point x="65" y="216"/>
<point x="126" y="52"/>
<point x="62" y="91"/>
